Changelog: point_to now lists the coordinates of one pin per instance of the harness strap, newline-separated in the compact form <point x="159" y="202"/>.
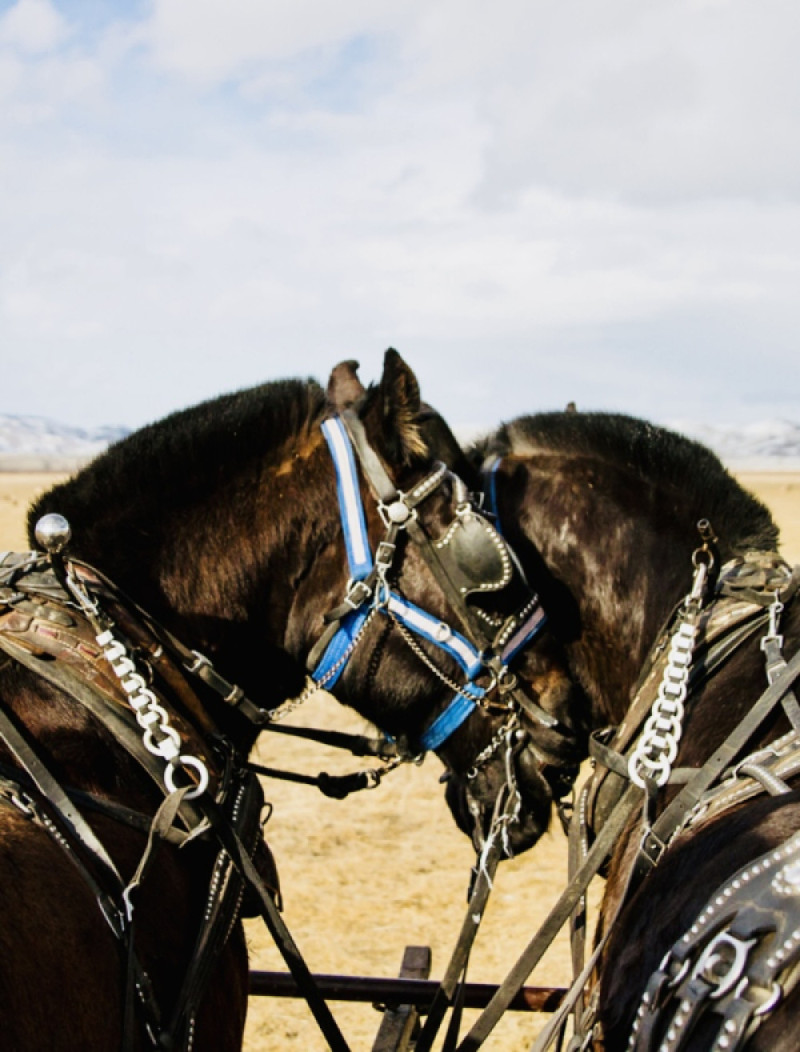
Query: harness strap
<point x="455" y="972"/>
<point x="68" y="827"/>
<point x="556" y="919"/>
<point x="460" y="709"/>
<point x="119" y="722"/>
<point x="356" y="744"/>
<point x="335" y="786"/>
<point x="16" y="783"/>
<point x="70" y="819"/>
<point x="306" y="983"/>
<point x="768" y="768"/>
<point x="127" y="611"/>
<point x="351" y="509"/>
<point x="577" y="849"/>
<point x="383" y="486"/>
<point x="222" y="907"/>
<point x="489" y="473"/>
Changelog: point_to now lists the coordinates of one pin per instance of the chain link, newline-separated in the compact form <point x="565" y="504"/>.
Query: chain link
<point x="417" y="649"/>
<point x="158" y="737"/>
<point x="500" y="738"/>
<point x="657" y="748"/>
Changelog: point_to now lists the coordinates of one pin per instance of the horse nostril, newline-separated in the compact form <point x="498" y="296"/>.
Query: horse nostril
<point x="445" y="776"/>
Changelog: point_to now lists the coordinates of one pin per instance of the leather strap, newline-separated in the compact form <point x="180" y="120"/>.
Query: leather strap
<point x="306" y="983"/>
<point x="71" y="821"/>
<point x="556" y="919"/>
<point x="120" y="722"/>
<point x="455" y="972"/>
<point x="672" y="818"/>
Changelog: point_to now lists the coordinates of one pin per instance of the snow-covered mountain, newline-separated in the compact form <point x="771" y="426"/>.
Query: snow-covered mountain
<point x="772" y="444"/>
<point x="34" y="442"/>
<point x="31" y="442"/>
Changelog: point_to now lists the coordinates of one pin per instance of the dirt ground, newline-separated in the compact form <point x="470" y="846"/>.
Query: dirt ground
<point x="364" y="877"/>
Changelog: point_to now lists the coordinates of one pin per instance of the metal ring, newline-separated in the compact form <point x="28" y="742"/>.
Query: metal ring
<point x="200" y="769"/>
<point x="160" y="748"/>
<point x="657" y="765"/>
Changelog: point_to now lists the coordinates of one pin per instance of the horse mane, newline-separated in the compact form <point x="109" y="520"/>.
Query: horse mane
<point x="654" y="454"/>
<point x="187" y="454"/>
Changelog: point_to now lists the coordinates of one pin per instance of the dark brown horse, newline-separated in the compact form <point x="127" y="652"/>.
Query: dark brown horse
<point x="207" y="550"/>
<point x="603" y="512"/>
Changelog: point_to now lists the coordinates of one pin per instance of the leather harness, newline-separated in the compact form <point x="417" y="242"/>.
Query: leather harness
<point x="745" y="591"/>
<point x="747" y="588"/>
<point x="42" y="629"/>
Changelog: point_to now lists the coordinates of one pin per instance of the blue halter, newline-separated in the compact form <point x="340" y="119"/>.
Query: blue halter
<point x="489" y="472"/>
<point x="368" y="591"/>
<point x="362" y="566"/>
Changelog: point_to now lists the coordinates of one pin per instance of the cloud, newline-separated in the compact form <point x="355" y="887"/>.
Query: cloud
<point x="32" y="27"/>
<point x="208" y="41"/>
<point x="584" y="195"/>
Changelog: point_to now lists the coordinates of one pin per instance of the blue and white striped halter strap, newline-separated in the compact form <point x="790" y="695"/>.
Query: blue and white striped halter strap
<point x="368" y="590"/>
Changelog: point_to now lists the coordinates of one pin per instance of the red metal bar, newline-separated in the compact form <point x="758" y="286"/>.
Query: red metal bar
<point x="395" y="991"/>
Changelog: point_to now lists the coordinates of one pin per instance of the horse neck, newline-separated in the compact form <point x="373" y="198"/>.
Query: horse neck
<point x="219" y="570"/>
<point x="616" y="560"/>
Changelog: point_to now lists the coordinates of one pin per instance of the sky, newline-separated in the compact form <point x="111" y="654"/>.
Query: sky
<point x="534" y="201"/>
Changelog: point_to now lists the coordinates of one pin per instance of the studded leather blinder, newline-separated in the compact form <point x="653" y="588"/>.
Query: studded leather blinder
<point x="474" y="555"/>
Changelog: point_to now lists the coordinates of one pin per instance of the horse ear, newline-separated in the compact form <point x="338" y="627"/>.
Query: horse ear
<point x="401" y="404"/>
<point x="344" y="386"/>
<point x="443" y="445"/>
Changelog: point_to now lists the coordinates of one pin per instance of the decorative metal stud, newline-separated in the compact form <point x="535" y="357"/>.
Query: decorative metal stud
<point x="398" y="512"/>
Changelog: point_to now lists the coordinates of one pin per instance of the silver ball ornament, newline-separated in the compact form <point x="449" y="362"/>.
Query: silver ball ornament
<point x="398" y="512"/>
<point x="53" y="533"/>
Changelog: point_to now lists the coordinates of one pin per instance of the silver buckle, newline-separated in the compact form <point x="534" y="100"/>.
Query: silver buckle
<point x="384" y="556"/>
<point x="357" y="593"/>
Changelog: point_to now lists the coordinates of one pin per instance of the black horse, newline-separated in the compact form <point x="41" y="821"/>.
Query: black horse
<point x="201" y="571"/>
<point x="603" y="511"/>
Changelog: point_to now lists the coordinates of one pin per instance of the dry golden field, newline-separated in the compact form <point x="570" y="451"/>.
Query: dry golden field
<point x="365" y="877"/>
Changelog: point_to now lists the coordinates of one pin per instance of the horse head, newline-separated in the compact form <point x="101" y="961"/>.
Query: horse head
<point x="456" y="611"/>
<point x="532" y="770"/>
<point x="602" y="512"/>
<point x="510" y="739"/>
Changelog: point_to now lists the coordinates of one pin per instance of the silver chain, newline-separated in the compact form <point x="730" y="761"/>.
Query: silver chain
<point x="417" y="649"/>
<point x="657" y="748"/>
<point x="500" y="738"/>
<point x="158" y="737"/>
<point x="508" y="804"/>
